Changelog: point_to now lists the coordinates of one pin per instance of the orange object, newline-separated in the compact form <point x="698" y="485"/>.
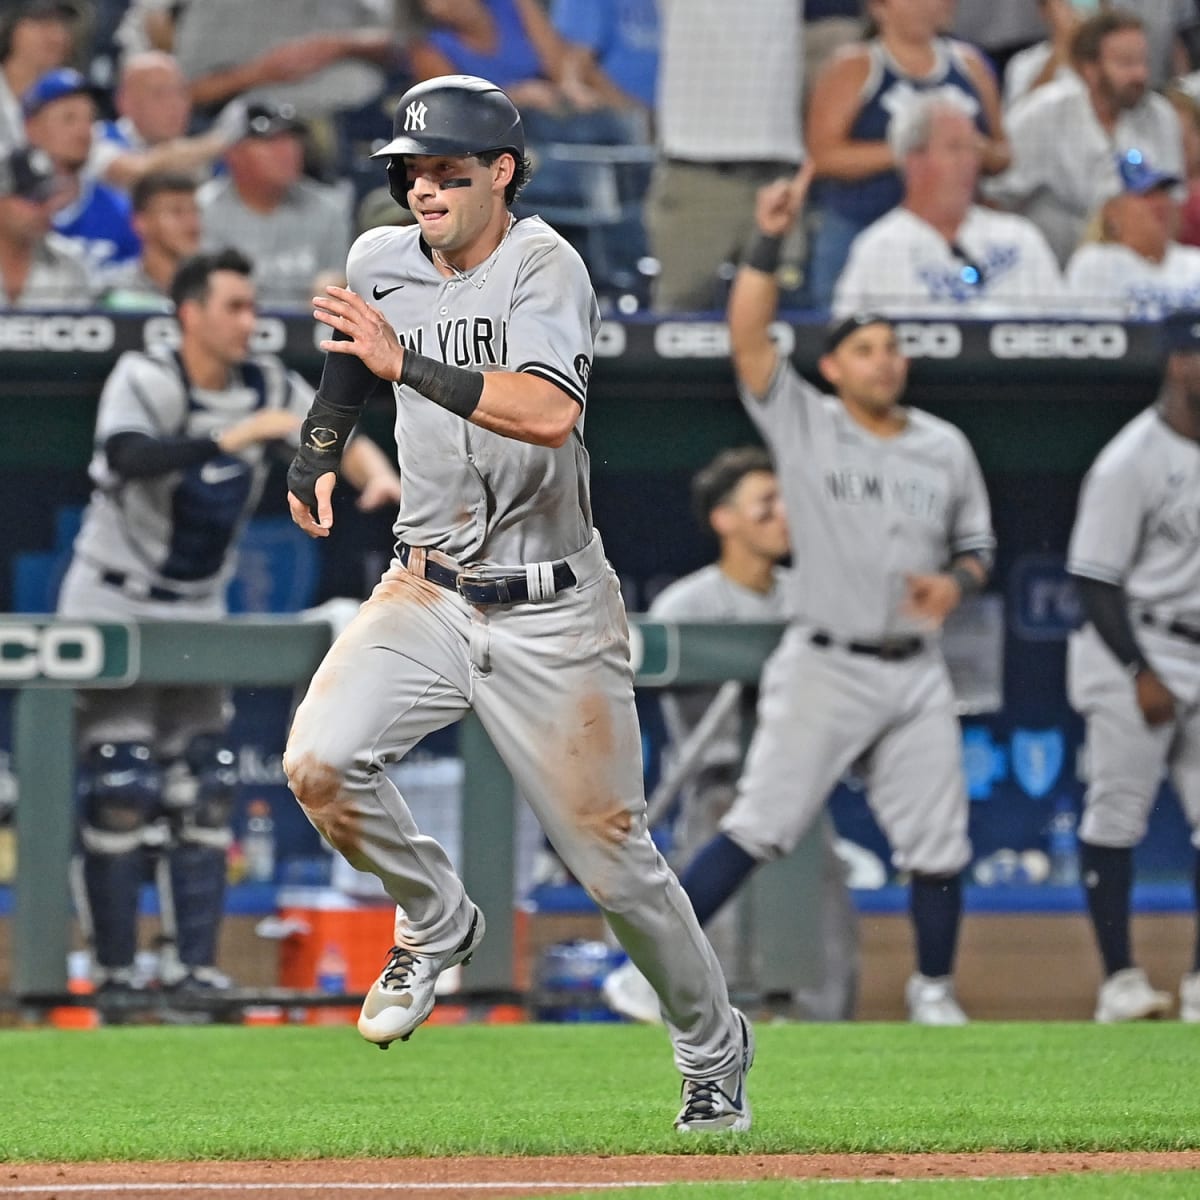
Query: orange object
<point x="71" y="1017"/>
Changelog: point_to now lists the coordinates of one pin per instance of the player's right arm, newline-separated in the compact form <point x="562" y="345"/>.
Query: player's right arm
<point x="754" y="298"/>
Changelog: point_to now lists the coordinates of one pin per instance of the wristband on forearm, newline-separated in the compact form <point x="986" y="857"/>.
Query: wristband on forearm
<point x="455" y="389"/>
<point x="323" y="438"/>
<point x="968" y="582"/>
<point x="763" y="252"/>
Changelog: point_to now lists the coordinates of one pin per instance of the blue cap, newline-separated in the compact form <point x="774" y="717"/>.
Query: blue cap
<point x="54" y="85"/>
<point x="1139" y="177"/>
<point x="1181" y="331"/>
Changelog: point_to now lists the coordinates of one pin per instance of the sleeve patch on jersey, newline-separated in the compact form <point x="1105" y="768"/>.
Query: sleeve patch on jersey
<point x="583" y="368"/>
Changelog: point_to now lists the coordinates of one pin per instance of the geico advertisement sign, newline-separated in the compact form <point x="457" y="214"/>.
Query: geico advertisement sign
<point x="64" y="653"/>
<point x="58" y="333"/>
<point x="1051" y="340"/>
<point x="709" y="339"/>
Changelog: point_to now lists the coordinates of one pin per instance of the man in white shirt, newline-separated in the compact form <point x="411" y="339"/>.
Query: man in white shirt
<point x="35" y="37"/>
<point x="1065" y="135"/>
<point x="1139" y="271"/>
<point x="939" y="252"/>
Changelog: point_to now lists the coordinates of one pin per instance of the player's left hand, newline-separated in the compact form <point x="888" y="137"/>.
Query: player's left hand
<point x="370" y="337"/>
<point x="380" y="491"/>
<point x="931" y="598"/>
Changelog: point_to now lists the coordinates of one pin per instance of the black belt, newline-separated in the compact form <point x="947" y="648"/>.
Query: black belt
<point x="118" y="579"/>
<point x="476" y="588"/>
<point x="889" y="650"/>
<point x="1188" y="633"/>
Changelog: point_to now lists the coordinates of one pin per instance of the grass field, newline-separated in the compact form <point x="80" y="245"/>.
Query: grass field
<point x="299" y="1092"/>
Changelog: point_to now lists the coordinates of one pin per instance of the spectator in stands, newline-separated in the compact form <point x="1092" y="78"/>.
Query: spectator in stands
<point x="296" y="231"/>
<point x="997" y="27"/>
<point x="1137" y="270"/>
<point x="59" y="115"/>
<point x="728" y="105"/>
<point x="1048" y="59"/>
<point x="320" y="56"/>
<point x="149" y="133"/>
<point x="166" y="218"/>
<point x="36" y="36"/>
<point x="852" y="104"/>
<point x="1065" y="134"/>
<point x="1187" y="108"/>
<point x="939" y="251"/>
<point x="38" y="268"/>
<point x="611" y="56"/>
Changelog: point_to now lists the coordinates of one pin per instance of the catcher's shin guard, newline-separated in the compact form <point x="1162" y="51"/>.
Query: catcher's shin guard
<point x="121" y="786"/>
<point x="191" y="882"/>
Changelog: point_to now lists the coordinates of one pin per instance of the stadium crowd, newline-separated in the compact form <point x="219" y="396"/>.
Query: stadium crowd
<point x="1036" y="157"/>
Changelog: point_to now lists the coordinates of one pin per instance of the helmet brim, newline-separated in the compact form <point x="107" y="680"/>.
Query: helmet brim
<point x="443" y="147"/>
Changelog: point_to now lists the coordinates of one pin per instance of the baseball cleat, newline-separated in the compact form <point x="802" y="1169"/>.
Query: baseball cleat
<point x="932" y="1001"/>
<point x="720" y="1106"/>
<point x="1189" y="998"/>
<point x="403" y="995"/>
<point x="628" y="992"/>
<point x="1128" y="996"/>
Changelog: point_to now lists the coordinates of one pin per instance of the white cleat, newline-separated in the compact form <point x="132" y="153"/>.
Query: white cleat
<point x="1189" y="998"/>
<point x="720" y="1106"/>
<point x="628" y="992"/>
<point x="403" y="995"/>
<point x="932" y="1001"/>
<point x="1128" y="996"/>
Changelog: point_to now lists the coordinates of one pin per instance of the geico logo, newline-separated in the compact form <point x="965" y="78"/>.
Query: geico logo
<point x="92" y="335"/>
<point x="62" y="652"/>
<point x="611" y="340"/>
<point x="161" y="331"/>
<point x="1058" y="341"/>
<point x="692" y="339"/>
<point x="270" y="336"/>
<point x="935" y="339"/>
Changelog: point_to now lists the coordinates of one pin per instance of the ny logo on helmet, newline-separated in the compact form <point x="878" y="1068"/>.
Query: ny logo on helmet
<point x="414" y="116"/>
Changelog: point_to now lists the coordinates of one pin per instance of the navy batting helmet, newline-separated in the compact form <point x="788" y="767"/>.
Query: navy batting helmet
<point x="459" y="115"/>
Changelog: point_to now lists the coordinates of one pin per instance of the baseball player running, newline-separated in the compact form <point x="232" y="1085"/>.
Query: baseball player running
<point x="890" y="522"/>
<point x="736" y="498"/>
<point x="181" y="455"/>
<point x="1133" y="671"/>
<point x="499" y="599"/>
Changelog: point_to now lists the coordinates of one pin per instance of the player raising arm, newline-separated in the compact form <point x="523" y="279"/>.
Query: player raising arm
<point x="890" y="527"/>
<point x="500" y="599"/>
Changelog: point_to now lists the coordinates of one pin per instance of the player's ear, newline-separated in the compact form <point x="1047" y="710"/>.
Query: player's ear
<point x="828" y="366"/>
<point x="503" y="170"/>
<point x="721" y="520"/>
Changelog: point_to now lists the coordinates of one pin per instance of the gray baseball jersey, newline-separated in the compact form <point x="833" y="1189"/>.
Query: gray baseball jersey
<point x="1137" y="527"/>
<point x="863" y="512"/>
<point x="550" y="680"/>
<point x="512" y="502"/>
<point x="178" y="531"/>
<point x="306" y="235"/>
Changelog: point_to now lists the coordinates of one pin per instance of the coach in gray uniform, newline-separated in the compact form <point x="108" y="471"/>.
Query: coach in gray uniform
<point x="1133" y="671"/>
<point x="737" y="498"/>
<point x="500" y="599"/>
<point x="890" y="524"/>
<point x="180" y="460"/>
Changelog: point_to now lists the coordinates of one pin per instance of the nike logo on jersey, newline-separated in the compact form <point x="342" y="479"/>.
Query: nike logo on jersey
<point x="379" y="292"/>
<point x="215" y="473"/>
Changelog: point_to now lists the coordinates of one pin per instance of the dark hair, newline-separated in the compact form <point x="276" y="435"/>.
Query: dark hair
<point x="191" y="280"/>
<point x="714" y="484"/>
<point x="16" y="12"/>
<point x="156" y="183"/>
<point x="522" y="169"/>
<point x="1089" y="37"/>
